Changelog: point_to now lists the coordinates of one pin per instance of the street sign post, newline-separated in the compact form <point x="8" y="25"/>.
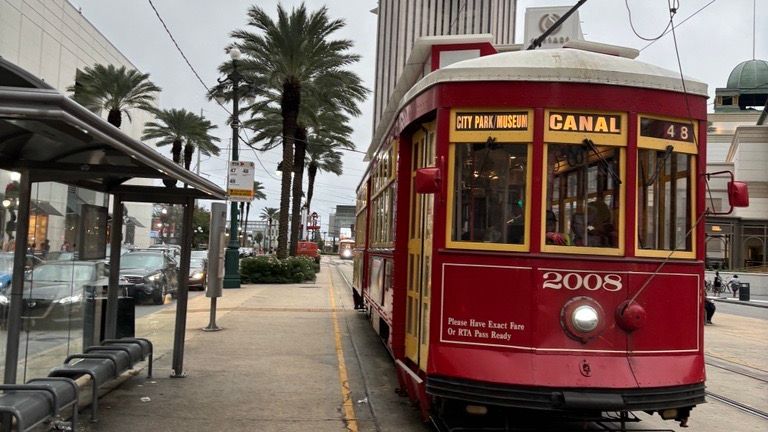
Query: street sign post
<point x="240" y="183"/>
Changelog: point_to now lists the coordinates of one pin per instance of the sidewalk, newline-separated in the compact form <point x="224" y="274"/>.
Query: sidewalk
<point x="273" y="367"/>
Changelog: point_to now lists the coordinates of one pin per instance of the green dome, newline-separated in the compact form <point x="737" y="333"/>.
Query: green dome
<point x="749" y="75"/>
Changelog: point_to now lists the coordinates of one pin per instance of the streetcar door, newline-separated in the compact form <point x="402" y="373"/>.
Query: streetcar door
<point x="420" y="234"/>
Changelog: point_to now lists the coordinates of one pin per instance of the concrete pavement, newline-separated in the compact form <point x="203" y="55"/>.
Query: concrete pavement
<point x="268" y="369"/>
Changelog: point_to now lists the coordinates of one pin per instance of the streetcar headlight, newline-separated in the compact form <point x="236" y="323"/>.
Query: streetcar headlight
<point x="585" y="318"/>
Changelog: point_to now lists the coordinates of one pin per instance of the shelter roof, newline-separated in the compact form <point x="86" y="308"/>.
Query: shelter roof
<point x="57" y="139"/>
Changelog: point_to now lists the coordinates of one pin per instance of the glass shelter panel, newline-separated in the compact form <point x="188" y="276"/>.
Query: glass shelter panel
<point x="490" y="193"/>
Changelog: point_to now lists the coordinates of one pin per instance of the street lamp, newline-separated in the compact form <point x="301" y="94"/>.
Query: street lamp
<point x="232" y="256"/>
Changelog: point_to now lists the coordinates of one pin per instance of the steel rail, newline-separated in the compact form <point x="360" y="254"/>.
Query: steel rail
<point x="738" y="405"/>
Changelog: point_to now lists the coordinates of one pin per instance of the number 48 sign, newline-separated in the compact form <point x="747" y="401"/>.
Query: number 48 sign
<point x="240" y="181"/>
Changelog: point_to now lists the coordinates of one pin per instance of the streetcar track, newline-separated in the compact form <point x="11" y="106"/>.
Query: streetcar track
<point x="737" y="368"/>
<point x="738" y="405"/>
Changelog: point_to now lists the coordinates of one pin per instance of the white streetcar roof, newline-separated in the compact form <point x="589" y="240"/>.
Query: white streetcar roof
<point x="560" y="65"/>
<point x="548" y="65"/>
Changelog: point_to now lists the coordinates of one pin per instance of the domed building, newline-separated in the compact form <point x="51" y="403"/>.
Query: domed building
<point x="738" y="142"/>
<point x="747" y="87"/>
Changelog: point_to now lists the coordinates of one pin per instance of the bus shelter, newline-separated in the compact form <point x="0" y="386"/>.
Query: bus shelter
<point x="47" y="137"/>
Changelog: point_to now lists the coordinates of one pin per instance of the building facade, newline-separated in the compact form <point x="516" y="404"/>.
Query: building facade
<point x="402" y="22"/>
<point x="52" y="40"/>
<point x="341" y="224"/>
<point x="738" y="142"/>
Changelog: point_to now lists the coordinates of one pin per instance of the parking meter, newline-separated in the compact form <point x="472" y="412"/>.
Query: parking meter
<point x="216" y="246"/>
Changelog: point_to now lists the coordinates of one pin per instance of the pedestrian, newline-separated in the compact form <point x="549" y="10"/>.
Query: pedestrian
<point x="709" y="309"/>
<point x="734" y="285"/>
<point x="65" y="247"/>
<point x="718" y="284"/>
<point x="46" y="248"/>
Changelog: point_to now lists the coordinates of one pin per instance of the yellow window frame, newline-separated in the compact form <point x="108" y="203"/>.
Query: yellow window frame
<point x="646" y="143"/>
<point x="587" y="250"/>
<point x="459" y="244"/>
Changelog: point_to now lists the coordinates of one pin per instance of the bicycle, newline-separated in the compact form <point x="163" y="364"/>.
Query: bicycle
<point x="710" y="288"/>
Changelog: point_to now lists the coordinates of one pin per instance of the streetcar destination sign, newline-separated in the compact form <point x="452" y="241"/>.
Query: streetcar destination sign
<point x="580" y="122"/>
<point x="666" y="129"/>
<point x="491" y="121"/>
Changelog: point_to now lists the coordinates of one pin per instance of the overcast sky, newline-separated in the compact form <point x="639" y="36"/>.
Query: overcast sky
<point x="710" y="45"/>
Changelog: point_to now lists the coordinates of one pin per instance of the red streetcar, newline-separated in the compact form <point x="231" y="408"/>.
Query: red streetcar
<point x="530" y="236"/>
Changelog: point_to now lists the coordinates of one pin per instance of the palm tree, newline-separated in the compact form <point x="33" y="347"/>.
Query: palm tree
<point x="181" y="129"/>
<point x="269" y="214"/>
<point x="258" y="194"/>
<point x="322" y="157"/>
<point x="320" y="122"/>
<point x="202" y="141"/>
<point x="282" y="58"/>
<point x="115" y="90"/>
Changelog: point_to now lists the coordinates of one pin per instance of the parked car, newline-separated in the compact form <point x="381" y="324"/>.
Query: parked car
<point x="173" y="250"/>
<point x="62" y="256"/>
<point x="197" y="273"/>
<point x="55" y="292"/>
<point x="153" y="274"/>
<point x="6" y="268"/>
<point x="202" y="254"/>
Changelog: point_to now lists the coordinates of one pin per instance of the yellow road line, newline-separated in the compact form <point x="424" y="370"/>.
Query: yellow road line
<point x="346" y="394"/>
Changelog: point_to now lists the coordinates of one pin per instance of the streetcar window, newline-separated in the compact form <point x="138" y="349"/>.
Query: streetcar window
<point x="664" y="199"/>
<point x="490" y="202"/>
<point x="583" y="195"/>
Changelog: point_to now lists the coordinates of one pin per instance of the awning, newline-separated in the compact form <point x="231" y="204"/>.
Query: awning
<point x="44" y="207"/>
<point x="130" y="220"/>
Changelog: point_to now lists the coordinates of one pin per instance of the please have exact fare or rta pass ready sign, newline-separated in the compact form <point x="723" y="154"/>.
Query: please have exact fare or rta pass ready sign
<point x="240" y="182"/>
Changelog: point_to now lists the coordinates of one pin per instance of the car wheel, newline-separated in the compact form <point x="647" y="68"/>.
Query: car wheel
<point x="158" y="295"/>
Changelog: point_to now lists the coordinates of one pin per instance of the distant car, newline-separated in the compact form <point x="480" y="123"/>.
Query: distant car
<point x="197" y="273"/>
<point x="152" y="273"/>
<point x="56" y="292"/>
<point x="309" y="249"/>
<point x="246" y="252"/>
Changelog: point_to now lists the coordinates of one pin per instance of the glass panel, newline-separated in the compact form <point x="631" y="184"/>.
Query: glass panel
<point x="664" y="200"/>
<point x="586" y="211"/>
<point x="489" y="193"/>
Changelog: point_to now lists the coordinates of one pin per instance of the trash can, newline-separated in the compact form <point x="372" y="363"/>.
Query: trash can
<point x="95" y="318"/>
<point x="744" y="292"/>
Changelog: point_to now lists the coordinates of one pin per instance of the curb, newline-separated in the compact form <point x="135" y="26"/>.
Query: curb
<point x="739" y="302"/>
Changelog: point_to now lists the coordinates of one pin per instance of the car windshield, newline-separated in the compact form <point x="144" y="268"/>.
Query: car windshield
<point x="196" y="262"/>
<point x="139" y="260"/>
<point x="63" y="273"/>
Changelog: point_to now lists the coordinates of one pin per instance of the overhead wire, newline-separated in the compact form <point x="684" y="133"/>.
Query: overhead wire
<point x="634" y="30"/>
<point x="673" y="7"/>
<point x="680" y="23"/>
<point x="205" y="86"/>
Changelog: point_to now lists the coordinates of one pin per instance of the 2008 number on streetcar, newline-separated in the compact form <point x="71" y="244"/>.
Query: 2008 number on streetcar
<point x="574" y="281"/>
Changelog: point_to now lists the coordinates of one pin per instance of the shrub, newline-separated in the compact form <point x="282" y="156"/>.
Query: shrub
<point x="269" y="269"/>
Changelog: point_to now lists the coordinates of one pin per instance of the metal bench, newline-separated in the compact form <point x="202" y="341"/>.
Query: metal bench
<point x="38" y="401"/>
<point x="140" y="349"/>
<point x="103" y="363"/>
